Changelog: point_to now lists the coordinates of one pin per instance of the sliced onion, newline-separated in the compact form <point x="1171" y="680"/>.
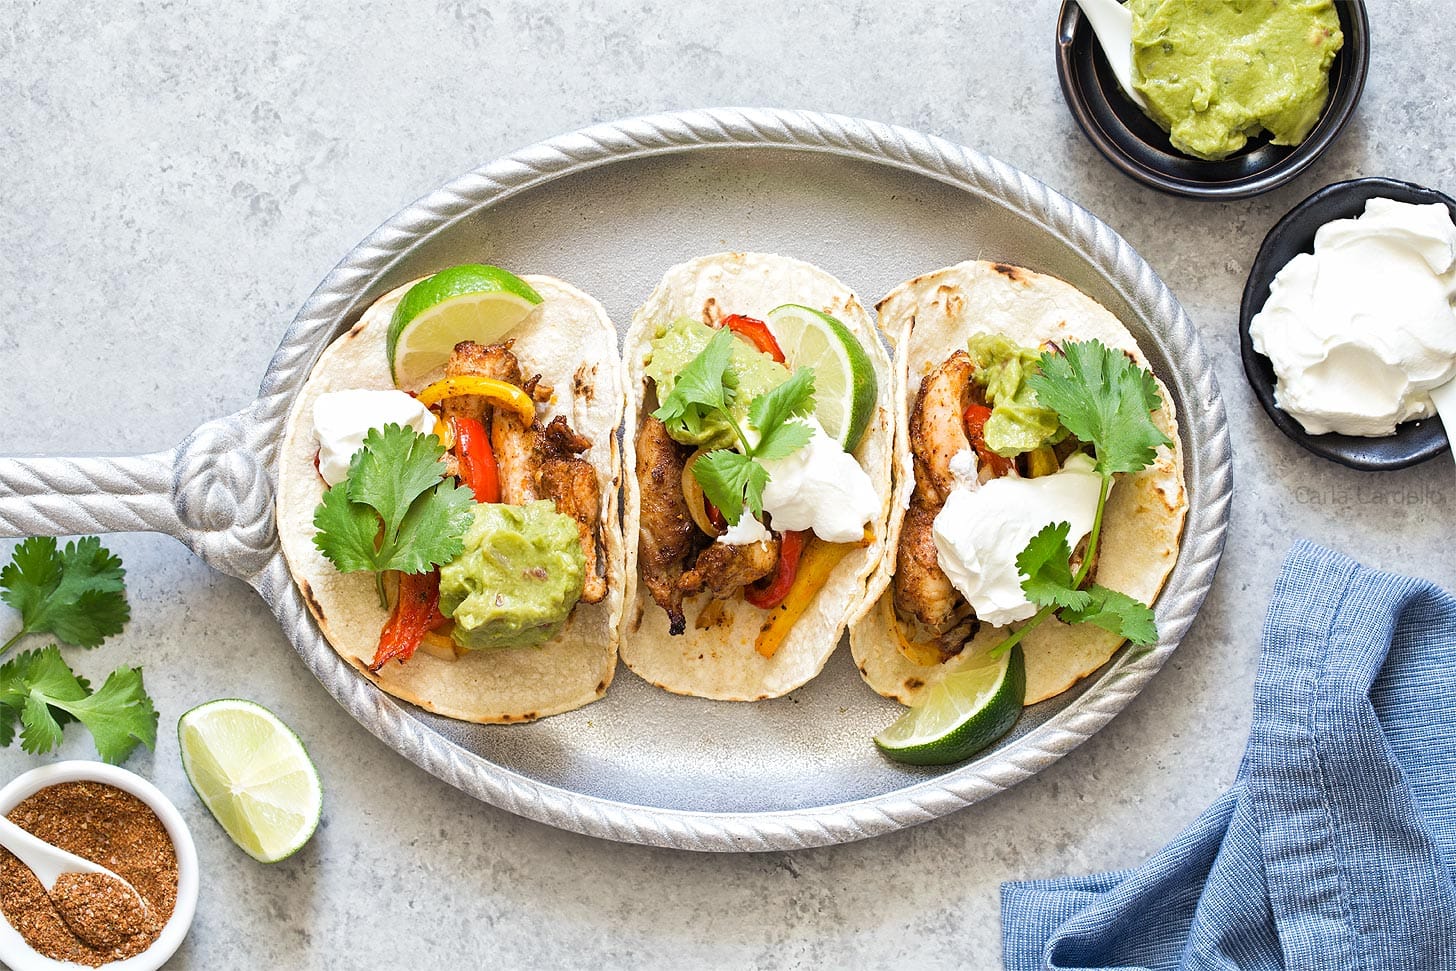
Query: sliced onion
<point x="693" y="495"/>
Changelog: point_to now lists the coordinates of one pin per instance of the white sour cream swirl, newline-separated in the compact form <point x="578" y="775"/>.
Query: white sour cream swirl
<point x="979" y="532"/>
<point x="1362" y="328"/>
<point x="341" y="419"/>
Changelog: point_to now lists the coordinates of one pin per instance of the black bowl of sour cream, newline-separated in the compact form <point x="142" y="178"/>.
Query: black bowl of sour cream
<point x="1413" y="441"/>
<point x="1134" y="143"/>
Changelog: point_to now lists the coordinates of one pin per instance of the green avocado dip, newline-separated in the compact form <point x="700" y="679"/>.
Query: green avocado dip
<point x="1017" y="423"/>
<point x="518" y="578"/>
<point x="1215" y="72"/>
<point x="674" y="348"/>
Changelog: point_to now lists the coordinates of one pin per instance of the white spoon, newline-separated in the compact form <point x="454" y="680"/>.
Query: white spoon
<point x="1112" y="24"/>
<point x="1444" y="399"/>
<point x="48" y="862"/>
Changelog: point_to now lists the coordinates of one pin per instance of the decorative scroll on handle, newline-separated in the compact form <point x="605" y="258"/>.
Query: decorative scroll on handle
<point x="211" y="492"/>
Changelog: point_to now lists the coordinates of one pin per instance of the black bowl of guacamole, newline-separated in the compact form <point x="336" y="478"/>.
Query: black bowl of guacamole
<point x="1134" y="143"/>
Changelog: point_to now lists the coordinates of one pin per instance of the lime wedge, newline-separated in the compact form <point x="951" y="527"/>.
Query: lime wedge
<point x="961" y="714"/>
<point x="844" y="379"/>
<point x="472" y="302"/>
<point x="252" y="773"/>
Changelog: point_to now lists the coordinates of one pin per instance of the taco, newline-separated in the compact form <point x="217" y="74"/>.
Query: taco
<point x="754" y="528"/>
<point x="483" y="476"/>
<point x="967" y="338"/>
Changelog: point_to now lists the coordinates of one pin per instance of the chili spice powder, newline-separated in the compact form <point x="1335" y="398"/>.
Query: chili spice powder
<point x="107" y="826"/>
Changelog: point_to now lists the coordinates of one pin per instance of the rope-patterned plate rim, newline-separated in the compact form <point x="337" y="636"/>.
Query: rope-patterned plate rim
<point x="1209" y="465"/>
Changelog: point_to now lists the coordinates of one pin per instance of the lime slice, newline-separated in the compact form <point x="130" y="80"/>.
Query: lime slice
<point x="961" y="714"/>
<point x="252" y="773"/>
<point x="472" y="302"/>
<point x="844" y="379"/>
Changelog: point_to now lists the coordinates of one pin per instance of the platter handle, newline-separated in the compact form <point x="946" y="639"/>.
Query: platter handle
<point x="212" y="492"/>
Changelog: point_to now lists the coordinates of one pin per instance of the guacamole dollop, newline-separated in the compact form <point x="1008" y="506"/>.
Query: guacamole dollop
<point x="675" y="346"/>
<point x="1215" y="72"/>
<point x="1017" y="423"/>
<point x="519" y="576"/>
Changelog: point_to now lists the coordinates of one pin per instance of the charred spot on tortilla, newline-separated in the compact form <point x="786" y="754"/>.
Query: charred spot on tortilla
<point x="952" y="299"/>
<point x="912" y="683"/>
<point x="356" y="330"/>
<point x="1014" y="273"/>
<point x="711" y="313"/>
<point x="311" y="600"/>
<point x="601" y="687"/>
<point x="582" y="383"/>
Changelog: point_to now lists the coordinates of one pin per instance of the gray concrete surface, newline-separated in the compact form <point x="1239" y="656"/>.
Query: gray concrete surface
<point x="177" y="177"/>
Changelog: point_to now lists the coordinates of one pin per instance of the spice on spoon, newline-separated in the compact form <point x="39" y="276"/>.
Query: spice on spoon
<point x="91" y="919"/>
<point x="100" y="910"/>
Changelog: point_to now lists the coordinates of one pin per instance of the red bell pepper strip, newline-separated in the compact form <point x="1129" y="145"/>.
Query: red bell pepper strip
<point x="757" y="333"/>
<point x="715" y="516"/>
<point x="975" y="418"/>
<point x="769" y="593"/>
<point x="477" y="461"/>
<point x="416" y="611"/>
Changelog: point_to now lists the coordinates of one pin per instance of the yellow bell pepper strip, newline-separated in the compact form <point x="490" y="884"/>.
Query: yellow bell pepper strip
<point x="815" y="564"/>
<point x="440" y="645"/>
<point x="502" y="393"/>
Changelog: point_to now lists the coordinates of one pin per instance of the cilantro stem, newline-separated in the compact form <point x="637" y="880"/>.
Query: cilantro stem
<point x="1094" y="536"/>
<point x="1015" y="636"/>
<point x="379" y="585"/>
<point x="743" y="440"/>
<point x="5" y="648"/>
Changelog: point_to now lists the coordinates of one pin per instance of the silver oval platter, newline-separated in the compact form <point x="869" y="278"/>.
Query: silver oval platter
<point x="609" y="208"/>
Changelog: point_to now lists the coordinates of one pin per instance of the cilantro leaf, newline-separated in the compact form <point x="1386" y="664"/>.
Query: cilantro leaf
<point x="395" y="466"/>
<point x="1046" y="568"/>
<point x="393" y="512"/>
<point x="1104" y="398"/>
<point x="346" y="531"/>
<point x="433" y="531"/>
<point x="40" y="731"/>
<point x="770" y="415"/>
<point x="119" y="716"/>
<point x="76" y="593"/>
<point x="704" y="385"/>
<point x="731" y="480"/>
<point x="1116" y="612"/>
<point x="46" y="694"/>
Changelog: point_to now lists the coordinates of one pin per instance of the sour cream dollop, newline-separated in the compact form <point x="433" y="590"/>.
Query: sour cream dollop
<point x="821" y="487"/>
<point x="979" y="533"/>
<point x="341" y="419"/>
<point x="1362" y="328"/>
<point x="748" y="531"/>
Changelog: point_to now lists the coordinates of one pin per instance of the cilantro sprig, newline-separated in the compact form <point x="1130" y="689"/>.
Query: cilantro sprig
<point x="394" y="511"/>
<point x="78" y="595"/>
<point x="1107" y="400"/>
<point x="39" y="689"/>
<point x="733" y="479"/>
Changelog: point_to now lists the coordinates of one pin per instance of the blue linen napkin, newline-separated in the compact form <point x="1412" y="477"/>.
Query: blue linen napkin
<point x="1336" y="845"/>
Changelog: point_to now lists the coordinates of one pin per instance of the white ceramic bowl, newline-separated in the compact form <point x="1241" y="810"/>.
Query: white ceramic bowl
<point x="18" y="955"/>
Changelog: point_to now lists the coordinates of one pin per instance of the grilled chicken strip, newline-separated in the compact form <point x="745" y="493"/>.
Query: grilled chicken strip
<point x="723" y="569"/>
<point x="923" y="595"/>
<point x="666" y="535"/>
<point x="571" y="482"/>
<point x="938" y="428"/>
